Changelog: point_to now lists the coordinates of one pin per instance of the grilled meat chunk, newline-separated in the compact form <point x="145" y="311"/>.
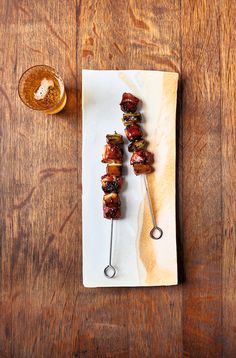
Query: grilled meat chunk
<point x="111" y="213"/>
<point x="142" y="169"/>
<point x="133" y="132"/>
<point x="114" y="169"/>
<point x="111" y="200"/>
<point x="141" y="157"/>
<point x="129" y="102"/>
<point x="112" y="153"/>
<point x="111" y="183"/>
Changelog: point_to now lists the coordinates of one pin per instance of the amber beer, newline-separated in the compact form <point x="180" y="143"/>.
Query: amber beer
<point x="41" y="88"/>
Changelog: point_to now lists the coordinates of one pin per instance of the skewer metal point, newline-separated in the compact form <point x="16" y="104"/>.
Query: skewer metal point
<point x="109" y="270"/>
<point x="156" y="233"/>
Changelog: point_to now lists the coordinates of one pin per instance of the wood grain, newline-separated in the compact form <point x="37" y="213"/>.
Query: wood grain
<point x="228" y="137"/>
<point x="39" y="186"/>
<point x="201" y="180"/>
<point x="45" y="311"/>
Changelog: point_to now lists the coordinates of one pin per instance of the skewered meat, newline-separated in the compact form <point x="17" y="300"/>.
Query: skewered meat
<point x="137" y="145"/>
<point x="115" y="139"/>
<point x="111" y="200"/>
<point x="111" y="213"/>
<point x="141" y="157"/>
<point x="142" y="169"/>
<point x="111" y="183"/>
<point x="133" y="132"/>
<point x="114" y="169"/>
<point x="129" y="103"/>
<point x="112" y="153"/>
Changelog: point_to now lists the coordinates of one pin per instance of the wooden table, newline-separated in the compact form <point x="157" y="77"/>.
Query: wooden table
<point x="44" y="310"/>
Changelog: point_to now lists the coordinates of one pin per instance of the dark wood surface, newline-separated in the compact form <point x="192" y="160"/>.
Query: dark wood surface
<point x="44" y="309"/>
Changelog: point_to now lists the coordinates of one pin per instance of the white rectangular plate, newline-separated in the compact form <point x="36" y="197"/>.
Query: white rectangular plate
<point x="140" y="261"/>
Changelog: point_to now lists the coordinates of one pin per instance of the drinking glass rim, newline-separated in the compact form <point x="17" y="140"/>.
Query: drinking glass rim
<point x="57" y="75"/>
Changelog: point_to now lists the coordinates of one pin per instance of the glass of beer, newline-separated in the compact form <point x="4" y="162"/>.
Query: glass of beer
<point x="41" y="88"/>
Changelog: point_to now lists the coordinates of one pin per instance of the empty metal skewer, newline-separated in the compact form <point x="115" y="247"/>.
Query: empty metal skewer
<point x="155" y="230"/>
<point x="109" y="270"/>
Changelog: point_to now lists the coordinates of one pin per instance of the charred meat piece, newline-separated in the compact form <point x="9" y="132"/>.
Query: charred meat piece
<point x="111" y="213"/>
<point x="133" y="132"/>
<point x="114" y="169"/>
<point x="137" y="145"/>
<point x="115" y="139"/>
<point x="129" y="102"/>
<point x="111" y="183"/>
<point x="141" y="157"/>
<point x="112" y="152"/>
<point x="111" y="200"/>
<point x="142" y="169"/>
<point x="129" y="118"/>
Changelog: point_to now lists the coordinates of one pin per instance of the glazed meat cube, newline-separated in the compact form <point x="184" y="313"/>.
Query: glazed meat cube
<point x="114" y="169"/>
<point x="129" y="103"/>
<point x="111" y="183"/>
<point x="137" y="145"/>
<point x="142" y="169"/>
<point x="141" y="157"/>
<point x="115" y="139"/>
<point x="133" y="132"/>
<point x="111" y="213"/>
<point x="111" y="200"/>
<point x="112" y="153"/>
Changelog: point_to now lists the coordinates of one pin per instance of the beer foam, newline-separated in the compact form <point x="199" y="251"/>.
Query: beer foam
<point x="43" y="89"/>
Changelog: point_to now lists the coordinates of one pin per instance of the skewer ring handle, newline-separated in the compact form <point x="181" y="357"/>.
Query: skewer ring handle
<point x="109" y="271"/>
<point x="156" y="233"/>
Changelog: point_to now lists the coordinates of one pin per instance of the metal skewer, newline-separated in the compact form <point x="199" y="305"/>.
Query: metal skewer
<point x="156" y="232"/>
<point x="109" y="270"/>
